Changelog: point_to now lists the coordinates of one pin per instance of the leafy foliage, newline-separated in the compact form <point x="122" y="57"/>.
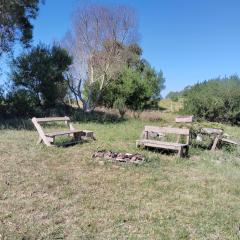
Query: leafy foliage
<point x="21" y="103"/>
<point x="15" y="16"/>
<point x="41" y="72"/>
<point x="137" y="86"/>
<point x="215" y="100"/>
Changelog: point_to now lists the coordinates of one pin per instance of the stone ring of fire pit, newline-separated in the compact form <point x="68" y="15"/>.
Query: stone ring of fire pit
<point x="119" y="157"/>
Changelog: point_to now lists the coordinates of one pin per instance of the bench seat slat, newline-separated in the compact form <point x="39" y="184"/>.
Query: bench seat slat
<point x="159" y="144"/>
<point x="53" y="134"/>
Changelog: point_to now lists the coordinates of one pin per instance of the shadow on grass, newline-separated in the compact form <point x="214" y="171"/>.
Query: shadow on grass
<point x="70" y="143"/>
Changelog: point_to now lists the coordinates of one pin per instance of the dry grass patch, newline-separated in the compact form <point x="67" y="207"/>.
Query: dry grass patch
<point x="62" y="193"/>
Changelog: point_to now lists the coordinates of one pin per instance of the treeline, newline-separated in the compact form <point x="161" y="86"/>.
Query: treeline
<point x="98" y="63"/>
<point x="215" y="100"/>
<point x="40" y="83"/>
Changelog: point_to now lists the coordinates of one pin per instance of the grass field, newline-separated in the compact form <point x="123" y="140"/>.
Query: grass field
<point x="62" y="193"/>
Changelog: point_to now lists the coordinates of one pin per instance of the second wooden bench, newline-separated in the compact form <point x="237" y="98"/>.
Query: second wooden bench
<point x="153" y="136"/>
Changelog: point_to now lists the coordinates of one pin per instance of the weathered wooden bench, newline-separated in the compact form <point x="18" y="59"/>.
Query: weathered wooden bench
<point x="184" y="119"/>
<point x="215" y="134"/>
<point x="155" y="137"/>
<point x="48" y="138"/>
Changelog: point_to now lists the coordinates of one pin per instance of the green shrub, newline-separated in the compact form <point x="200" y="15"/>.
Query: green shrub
<point x="140" y="90"/>
<point x="22" y="103"/>
<point x="41" y="71"/>
<point x="215" y="100"/>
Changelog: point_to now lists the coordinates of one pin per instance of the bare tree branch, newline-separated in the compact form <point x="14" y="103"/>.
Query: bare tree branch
<point x="96" y="42"/>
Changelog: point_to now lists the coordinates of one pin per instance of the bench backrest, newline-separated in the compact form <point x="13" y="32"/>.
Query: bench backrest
<point x="184" y="119"/>
<point x="178" y="131"/>
<point x="168" y="130"/>
<point x="52" y="119"/>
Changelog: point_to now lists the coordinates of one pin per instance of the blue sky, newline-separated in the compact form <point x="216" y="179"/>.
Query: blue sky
<point x="189" y="40"/>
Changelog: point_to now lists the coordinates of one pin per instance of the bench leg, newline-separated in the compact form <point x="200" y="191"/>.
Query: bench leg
<point x="180" y="152"/>
<point x="215" y="143"/>
<point x="90" y="135"/>
<point x="77" y="137"/>
<point x="48" y="140"/>
<point x="186" y="153"/>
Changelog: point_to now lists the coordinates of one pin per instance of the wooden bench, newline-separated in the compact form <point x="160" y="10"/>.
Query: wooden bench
<point x="48" y="138"/>
<point x="184" y="119"/>
<point x="215" y="134"/>
<point x="159" y="141"/>
<point x="230" y="141"/>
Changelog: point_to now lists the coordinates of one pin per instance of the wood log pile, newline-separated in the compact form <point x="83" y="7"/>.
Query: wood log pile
<point x="119" y="157"/>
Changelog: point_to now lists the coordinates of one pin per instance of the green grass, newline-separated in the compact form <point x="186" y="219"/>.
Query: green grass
<point x="62" y="193"/>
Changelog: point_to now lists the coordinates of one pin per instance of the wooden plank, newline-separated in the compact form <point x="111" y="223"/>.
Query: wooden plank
<point x="85" y="133"/>
<point x="158" y="144"/>
<point x="215" y="142"/>
<point x="180" y="131"/>
<point x="89" y="134"/>
<point x="213" y="131"/>
<point x="184" y="119"/>
<point x="53" y="134"/>
<point x="52" y="119"/>
<point x="41" y="132"/>
<point x="230" y="141"/>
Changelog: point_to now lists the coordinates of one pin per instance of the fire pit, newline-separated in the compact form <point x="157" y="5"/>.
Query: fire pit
<point x="119" y="157"/>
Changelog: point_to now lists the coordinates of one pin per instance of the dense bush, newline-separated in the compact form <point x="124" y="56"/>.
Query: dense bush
<point x="21" y="103"/>
<point x="41" y="72"/>
<point x="135" y="89"/>
<point x="215" y="100"/>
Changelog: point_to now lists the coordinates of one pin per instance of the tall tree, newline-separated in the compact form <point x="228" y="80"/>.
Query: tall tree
<point x="96" y="43"/>
<point x="15" y="25"/>
<point x="137" y="87"/>
<point x="42" y="72"/>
